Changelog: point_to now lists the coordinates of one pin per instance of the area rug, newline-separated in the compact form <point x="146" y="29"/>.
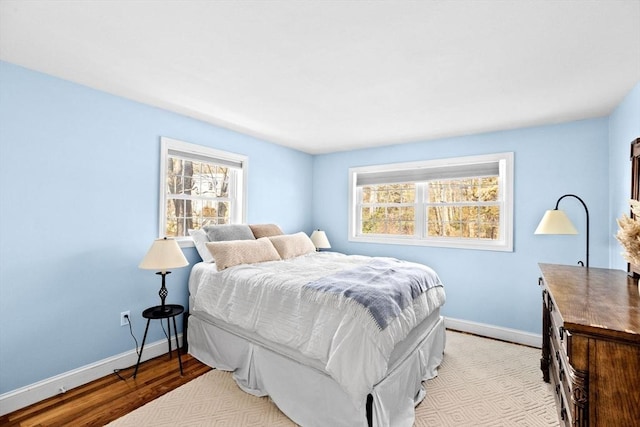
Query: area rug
<point x="482" y="382"/>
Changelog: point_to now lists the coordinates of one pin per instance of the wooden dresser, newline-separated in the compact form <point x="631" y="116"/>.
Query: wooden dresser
<point x="591" y="344"/>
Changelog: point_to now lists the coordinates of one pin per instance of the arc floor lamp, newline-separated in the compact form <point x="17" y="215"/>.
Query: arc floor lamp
<point x="556" y="222"/>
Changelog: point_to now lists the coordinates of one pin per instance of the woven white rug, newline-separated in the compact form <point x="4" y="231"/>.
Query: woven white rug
<point x="481" y="382"/>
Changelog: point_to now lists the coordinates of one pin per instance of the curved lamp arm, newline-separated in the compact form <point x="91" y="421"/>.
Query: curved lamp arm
<point x="587" y="212"/>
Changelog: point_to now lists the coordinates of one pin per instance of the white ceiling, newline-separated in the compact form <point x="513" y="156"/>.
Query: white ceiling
<point x="324" y="76"/>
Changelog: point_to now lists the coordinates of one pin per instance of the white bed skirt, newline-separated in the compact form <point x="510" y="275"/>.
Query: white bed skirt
<point x="309" y="396"/>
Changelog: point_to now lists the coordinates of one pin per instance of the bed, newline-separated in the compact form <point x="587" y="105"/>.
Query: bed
<point x="325" y="335"/>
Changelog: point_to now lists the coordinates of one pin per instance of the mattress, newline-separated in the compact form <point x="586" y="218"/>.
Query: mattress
<point x="399" y="353"/>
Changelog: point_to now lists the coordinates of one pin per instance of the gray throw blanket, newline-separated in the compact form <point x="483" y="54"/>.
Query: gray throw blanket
<point x="385" y="286"/>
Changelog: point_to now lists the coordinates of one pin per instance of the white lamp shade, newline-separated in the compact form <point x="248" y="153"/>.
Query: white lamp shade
<point x="319" y="239"/>
<point x="164" y="254"/>
<point x="555" y="222"/>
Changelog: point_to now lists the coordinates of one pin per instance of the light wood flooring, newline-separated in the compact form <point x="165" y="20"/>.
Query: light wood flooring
<point x="108" y="398"/>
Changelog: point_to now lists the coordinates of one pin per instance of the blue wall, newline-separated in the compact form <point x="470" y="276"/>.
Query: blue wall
<point x="624" y="127"/>
<point x="79" y="208"/>
<point x="495" y="288"/>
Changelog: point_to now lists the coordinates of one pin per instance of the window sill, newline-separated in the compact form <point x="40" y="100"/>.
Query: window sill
<point x="489" y="245"/>
<point x="185" y="242"/>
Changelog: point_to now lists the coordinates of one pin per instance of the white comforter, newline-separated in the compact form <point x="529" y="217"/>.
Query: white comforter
<point x="269" y="299"/>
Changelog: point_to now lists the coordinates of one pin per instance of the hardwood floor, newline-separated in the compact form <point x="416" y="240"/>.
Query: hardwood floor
<point x="108" y="398"/>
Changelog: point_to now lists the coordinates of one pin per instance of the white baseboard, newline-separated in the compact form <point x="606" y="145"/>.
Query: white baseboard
<point x="30" y="394"/>
<point x="497" y="332"/>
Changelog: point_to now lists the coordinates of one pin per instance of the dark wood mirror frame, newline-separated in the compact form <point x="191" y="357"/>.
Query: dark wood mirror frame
<point x="634" y="270"/>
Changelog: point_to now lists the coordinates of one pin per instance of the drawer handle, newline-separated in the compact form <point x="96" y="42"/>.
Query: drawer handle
<point x="557" y="355"/>
<point x="561" y="374"/>
<point x="561" y="332"/>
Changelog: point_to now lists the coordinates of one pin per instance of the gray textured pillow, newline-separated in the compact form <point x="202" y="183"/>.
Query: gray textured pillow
<point x="228" y="254"/>
<point x="222" y="233"/>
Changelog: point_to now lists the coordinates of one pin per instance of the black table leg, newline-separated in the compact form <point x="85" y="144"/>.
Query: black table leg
<point x="146" y="329"/>
<point x="175" y="330"/>
<point x="169" y="336"/>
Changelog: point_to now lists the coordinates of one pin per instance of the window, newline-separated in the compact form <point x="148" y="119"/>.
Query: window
<point x="464" y="202"/>
<point x="199" y="186"/>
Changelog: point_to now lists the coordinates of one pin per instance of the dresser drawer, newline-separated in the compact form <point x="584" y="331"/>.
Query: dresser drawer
<point x="562" y="369"/>
<point x="561" y="395"/>
<point x="561" y="338"/>
<point x="557" y="331"/>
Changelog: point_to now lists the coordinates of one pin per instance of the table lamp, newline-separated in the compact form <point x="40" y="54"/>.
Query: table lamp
<point x="164" y="254"/>
<point x="320" y="241"/>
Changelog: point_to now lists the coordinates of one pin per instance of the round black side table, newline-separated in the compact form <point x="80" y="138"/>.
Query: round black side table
<point x="159" y="312"/>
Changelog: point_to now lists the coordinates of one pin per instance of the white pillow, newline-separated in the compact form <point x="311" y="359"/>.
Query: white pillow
<point x="200" y="239"/>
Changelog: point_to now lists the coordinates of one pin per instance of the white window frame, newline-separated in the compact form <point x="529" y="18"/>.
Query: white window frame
<point x="505" y="188"/>
<point x="238" y="192"/>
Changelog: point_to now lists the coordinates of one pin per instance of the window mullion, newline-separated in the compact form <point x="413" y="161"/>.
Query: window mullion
<point x="420" y="210"/>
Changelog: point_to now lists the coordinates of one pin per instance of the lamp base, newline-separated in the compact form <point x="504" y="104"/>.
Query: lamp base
<point x="163" y="293"/>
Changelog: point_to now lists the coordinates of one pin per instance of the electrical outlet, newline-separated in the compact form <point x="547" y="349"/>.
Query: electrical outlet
<point x="124" y="318"/>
